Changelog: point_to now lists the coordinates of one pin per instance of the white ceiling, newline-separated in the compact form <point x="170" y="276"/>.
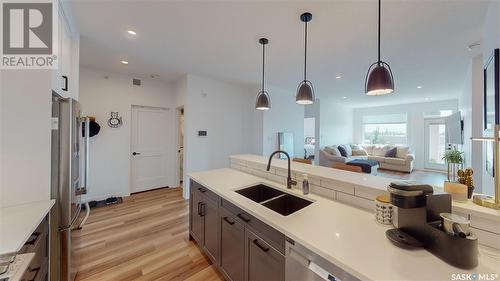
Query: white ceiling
<point x="423" y="41"/>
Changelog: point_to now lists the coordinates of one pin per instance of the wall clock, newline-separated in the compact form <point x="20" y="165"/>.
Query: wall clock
<point x="115" y="121"/>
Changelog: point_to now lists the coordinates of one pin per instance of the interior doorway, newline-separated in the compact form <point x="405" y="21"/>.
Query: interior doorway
<point x="180" y="146"/>
<point x="309" y="137"/>
<point x="150" y="148"/>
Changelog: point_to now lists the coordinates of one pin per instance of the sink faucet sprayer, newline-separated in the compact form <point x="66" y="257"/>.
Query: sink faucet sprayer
<point x="289" y="181"/>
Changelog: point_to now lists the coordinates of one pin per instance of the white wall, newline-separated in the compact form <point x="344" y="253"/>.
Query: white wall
<point x="110" y="150"/>
<point x="491" y="41"/>
<point x="284" y="116"/>
<point x="471" y="107"/>
<point x="336" y="123"/>
<point x="309" y="126"/>
<point x="415" y="128"/>
<point x="226" y="111"/>
<point x="25" y="111"/>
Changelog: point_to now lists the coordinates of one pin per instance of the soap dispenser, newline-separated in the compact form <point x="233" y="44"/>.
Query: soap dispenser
<point x="305" y="185"/>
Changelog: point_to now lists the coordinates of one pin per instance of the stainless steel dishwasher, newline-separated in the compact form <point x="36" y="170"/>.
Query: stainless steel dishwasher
<point x="304" y="265"/>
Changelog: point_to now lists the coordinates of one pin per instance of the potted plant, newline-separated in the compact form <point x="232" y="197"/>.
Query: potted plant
<point x="454" y="158"/>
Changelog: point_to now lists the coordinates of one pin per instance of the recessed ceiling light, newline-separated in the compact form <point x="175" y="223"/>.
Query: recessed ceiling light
<point x="427" y="99"/>
<point x="419" y="87"/>
<point x="124" y="62"/>
<point x="338" y="77"/>
<point x="131" y="32"/>
<point x="344" y="97"/>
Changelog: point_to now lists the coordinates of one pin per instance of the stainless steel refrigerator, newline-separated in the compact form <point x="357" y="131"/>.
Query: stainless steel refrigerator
<point x="69" y="170"/>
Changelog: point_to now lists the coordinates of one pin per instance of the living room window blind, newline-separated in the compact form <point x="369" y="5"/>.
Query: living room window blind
<point x="385" y="129"/>
<point x="396" y="118"/>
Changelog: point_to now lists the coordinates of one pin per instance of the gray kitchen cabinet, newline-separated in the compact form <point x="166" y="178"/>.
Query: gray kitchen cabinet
<point x="241" y="246"/>
<point x="263" y="262"/>
<point x="195" y="216"/>
<point x="209" y="210"/>
<point x="204" y="220"/>
<point x="232" y="250"/>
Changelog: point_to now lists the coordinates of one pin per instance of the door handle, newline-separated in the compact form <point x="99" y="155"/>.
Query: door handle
<point x="136" y="153"/>
<point x="256" y="242"/>
<point x="65" y="88"/>
<point x="228" y="221"/>
<point x="243" y="218"/>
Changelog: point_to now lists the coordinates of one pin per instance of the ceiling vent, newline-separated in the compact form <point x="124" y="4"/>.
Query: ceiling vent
<point x="136" y="82"/>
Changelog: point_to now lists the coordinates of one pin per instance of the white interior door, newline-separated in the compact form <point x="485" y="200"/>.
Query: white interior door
<point x="150" y="148"/>
<point x="435" y="143"/>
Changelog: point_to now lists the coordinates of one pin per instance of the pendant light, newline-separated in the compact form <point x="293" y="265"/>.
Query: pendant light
<point x="263" y="101"/>
<point x="305" y="90"/>
<point x="379" y="80"/>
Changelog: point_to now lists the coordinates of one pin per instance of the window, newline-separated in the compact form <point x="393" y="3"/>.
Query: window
<point x="385" y="129"/>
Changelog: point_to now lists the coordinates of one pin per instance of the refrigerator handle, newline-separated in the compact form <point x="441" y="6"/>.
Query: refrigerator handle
<point x="83" y="188"/>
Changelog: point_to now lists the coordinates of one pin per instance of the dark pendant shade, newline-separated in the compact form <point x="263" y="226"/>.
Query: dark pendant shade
<point x="379" y="80"/>
<point x="305" y="93"/>
<point x="263" y="102"/>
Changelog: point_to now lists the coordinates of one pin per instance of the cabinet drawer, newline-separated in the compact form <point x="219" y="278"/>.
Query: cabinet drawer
<point x="263" y="261"/>
<point x="272" y="236"/>
<point x="205" y="191"/>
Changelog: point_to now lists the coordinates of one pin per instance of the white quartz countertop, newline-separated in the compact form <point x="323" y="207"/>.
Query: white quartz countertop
<point x="17" y="223"/>
<point x="344" y="235"/>
<point x="361" y="180"/>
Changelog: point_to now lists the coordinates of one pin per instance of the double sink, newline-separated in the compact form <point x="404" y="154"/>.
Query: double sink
<point x="276" y="200"/>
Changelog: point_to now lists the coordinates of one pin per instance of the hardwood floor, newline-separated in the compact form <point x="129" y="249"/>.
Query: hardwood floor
<point x="144" y="238"/>
<point x="428" y="177"/>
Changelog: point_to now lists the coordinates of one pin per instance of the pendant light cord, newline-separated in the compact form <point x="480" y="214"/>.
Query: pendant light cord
<point x="263" y="61"/>
<point x="379" y="8"/>
<point x="305" y="52"/>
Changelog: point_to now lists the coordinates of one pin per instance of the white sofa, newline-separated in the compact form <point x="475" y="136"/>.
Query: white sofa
<point x="403" y="162"/>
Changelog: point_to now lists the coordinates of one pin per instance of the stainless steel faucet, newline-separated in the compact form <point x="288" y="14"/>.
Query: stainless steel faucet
<point x="289" y="181"/>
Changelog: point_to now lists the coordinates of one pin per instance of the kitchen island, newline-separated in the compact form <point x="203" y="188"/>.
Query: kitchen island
<point x="346" y="236"/>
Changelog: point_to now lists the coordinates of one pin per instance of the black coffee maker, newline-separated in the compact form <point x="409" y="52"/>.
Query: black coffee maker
<point x="418" y="223"/>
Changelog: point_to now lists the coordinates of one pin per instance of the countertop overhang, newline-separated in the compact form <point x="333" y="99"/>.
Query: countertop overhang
<point x="344" y="235"/>
<point x="18" y="222"/>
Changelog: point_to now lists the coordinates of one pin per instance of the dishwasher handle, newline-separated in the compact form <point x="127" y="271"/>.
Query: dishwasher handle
<point x="312" y="266"/>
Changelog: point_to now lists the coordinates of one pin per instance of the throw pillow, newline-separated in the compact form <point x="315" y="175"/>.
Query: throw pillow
<point x="359" y="152"/>
<point x="348" y="149"/>
<point x="379" y="151"/>
<point x="355" y="147"/>
<point x="391" y="153"/>
<point x="368" y="148"/>
<point x="333" y="150"/>
<point x="402" y="152"/>
<point x="342" y="150"/>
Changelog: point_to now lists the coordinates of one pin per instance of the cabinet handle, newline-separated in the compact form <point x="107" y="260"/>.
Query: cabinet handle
<point x="199" y="209"/>
<point x="202" y="205"/>
<point x="228" y="221"/>
<point x="202" y="189"/>
<point x="33" y="238"/>
<point x="65" y="88"/>
<point x="243" y="218"/>
<point x="256" y="242"/>
<point x="35" y="270"/>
